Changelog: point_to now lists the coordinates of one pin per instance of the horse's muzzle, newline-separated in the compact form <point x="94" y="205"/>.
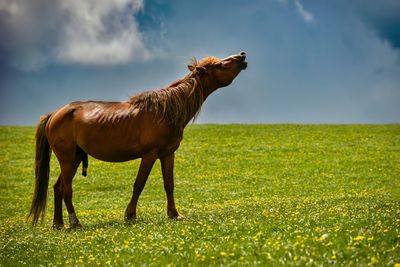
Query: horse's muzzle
<point x="242" y="60"/>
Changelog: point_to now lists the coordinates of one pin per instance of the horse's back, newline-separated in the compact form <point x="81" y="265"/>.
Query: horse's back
<point x="87" y="124"/>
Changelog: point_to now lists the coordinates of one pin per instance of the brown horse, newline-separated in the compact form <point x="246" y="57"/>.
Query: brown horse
<point x="148" y="126"/>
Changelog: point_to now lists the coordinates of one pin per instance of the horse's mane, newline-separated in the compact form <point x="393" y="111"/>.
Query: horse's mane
<point x="178" y="103"/>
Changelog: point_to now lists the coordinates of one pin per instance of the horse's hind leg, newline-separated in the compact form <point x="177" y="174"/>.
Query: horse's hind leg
<point x="68" y="170"/>
<point x="58" y="222"/>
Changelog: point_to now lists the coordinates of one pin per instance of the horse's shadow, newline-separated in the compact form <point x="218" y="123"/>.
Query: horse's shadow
<point x="101" y="225"/>
<point x="116" y="223"/>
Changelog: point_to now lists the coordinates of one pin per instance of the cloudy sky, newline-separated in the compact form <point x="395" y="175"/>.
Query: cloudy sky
<point x="309" y="61"/>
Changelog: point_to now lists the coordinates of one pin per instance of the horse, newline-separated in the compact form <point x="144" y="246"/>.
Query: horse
<point x="148" y="126"/>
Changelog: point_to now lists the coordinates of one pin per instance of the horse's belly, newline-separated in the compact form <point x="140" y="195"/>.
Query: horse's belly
<point x="118" y="157"/>
<point x="112" y="155"/>
<point x="109" y="147"/>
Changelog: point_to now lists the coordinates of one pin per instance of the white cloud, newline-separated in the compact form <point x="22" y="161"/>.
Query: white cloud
<point x="306" y="15"/>
<point x="71" y="31"/>
<point x="101" y="32"/>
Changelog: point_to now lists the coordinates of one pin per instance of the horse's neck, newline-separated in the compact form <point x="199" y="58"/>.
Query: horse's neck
<point x="191" y="93"/>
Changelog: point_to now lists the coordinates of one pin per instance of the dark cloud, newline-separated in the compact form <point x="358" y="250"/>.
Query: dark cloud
<point x="388" y="28"/>
<point x="383" y="17"/>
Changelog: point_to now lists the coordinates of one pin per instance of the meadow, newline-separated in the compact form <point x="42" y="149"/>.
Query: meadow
<point x="251" y="195"/>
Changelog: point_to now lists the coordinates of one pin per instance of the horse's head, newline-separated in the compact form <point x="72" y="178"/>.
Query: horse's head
<point x="216" y="73"/>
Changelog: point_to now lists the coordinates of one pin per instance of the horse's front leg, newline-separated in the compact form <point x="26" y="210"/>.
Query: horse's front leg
<point x="144" y="170"/>
<point x="167" y="165"/>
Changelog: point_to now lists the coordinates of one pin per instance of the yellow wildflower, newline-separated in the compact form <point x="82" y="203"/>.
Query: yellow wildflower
<point x="359" y="238"/>
<point x="323" y="237"/>
<point x="374" y="260"/>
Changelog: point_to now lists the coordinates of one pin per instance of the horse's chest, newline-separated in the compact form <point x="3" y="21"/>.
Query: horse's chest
<point x="171" y="146"/>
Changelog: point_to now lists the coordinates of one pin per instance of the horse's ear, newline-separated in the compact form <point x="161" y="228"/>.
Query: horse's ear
<point x="201" y="70"/>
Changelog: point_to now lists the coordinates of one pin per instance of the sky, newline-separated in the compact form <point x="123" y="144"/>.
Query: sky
<point x="309" y="61"/>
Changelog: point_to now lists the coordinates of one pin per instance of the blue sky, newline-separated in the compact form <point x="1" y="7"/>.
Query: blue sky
<point x="309" y="61"/>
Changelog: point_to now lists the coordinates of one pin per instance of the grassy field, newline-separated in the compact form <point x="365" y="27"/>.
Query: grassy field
<point x="268" y="195"/>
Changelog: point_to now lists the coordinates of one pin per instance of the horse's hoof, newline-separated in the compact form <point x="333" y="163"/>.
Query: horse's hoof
<point x="176" y="216"/>
<point x="58" y="226"/>
<point x="129" y="218"/>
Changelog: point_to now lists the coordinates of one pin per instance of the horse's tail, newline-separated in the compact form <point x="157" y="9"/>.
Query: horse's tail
<point x="42" y="169"/>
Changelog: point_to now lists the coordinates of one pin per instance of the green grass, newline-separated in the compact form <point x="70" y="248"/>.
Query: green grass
<point x="277" y="195"/>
